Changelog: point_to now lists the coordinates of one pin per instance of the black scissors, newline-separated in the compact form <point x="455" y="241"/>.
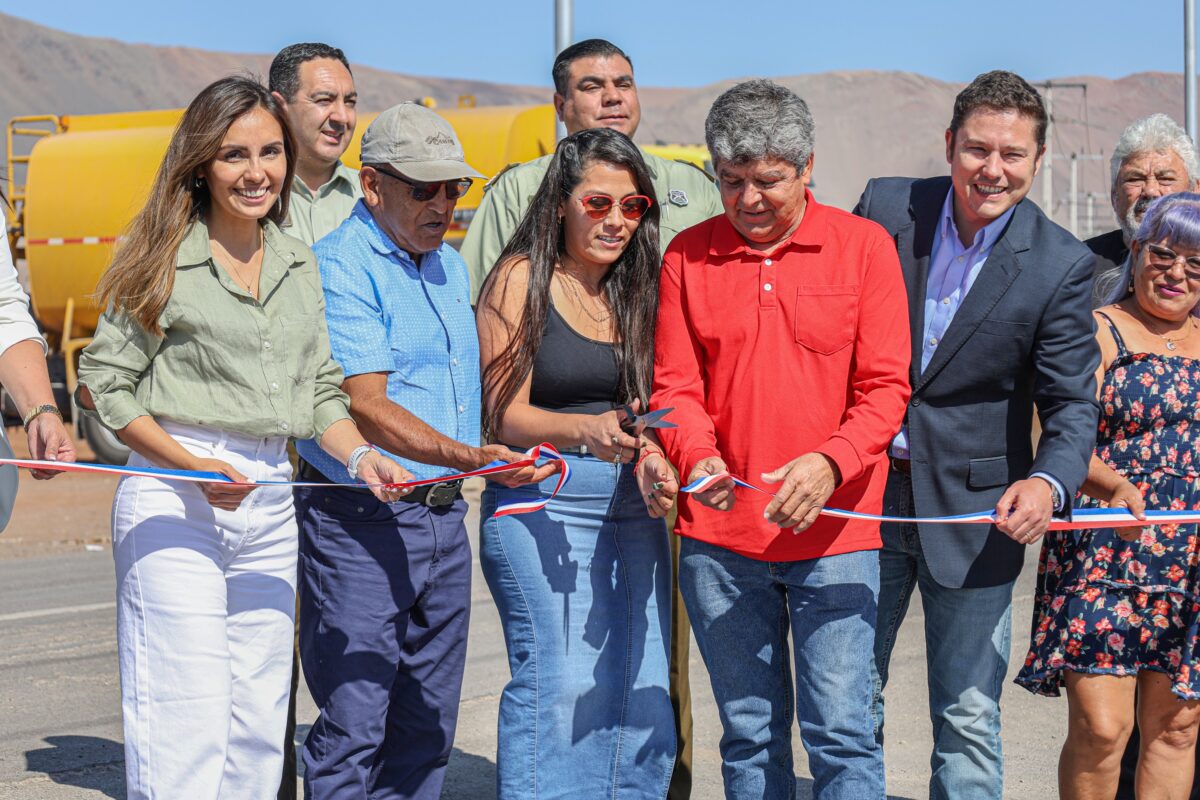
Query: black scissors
<point x="635" y="424"/>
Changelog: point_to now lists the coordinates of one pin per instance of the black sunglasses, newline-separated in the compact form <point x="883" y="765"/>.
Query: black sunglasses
<point x="422" y="192"/>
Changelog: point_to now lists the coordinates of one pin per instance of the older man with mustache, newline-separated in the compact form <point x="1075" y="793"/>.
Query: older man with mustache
<point x="1154" y="157"/>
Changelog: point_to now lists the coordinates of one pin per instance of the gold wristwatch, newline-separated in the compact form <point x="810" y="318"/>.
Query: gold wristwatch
<point x="37" y="411"/>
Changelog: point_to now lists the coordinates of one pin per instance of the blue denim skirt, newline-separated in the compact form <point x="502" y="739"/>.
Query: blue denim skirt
<point x="583" y="591"/>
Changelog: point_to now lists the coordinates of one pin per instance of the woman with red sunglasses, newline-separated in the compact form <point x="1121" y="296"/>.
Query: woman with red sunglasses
<point x="566" y="330"/>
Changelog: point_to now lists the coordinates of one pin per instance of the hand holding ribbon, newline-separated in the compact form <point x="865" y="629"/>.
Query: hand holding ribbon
<point x="1023" y="512"/>
<point x="521" y="476"/>
<point x="657" y="483"/>
<point x="384" y="476"/>
<point x="713" y="483"/>
<point x="808" y="481"/>
<point x="225" y="496"/>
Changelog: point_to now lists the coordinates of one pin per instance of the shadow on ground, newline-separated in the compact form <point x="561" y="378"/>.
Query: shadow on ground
<point x="804" y="791"/>
<point x="86" y="762"/>
<point x="469" y="777"/>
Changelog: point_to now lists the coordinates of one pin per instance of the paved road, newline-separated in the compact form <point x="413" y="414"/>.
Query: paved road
<point x="59" y="697"/>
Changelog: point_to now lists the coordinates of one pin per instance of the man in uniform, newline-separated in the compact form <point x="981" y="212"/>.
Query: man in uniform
<point x="312" y="82"/>
<point x="594" y="88"/>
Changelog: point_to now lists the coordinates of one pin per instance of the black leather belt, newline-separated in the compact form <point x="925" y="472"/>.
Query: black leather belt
<point x="433" y="495"/>
<point x="902" y="465"/>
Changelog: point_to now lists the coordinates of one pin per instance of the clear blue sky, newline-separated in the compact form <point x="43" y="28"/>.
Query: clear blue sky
<point x="672" y="42"/>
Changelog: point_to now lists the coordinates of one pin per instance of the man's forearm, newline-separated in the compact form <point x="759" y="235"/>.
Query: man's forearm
<point x="398" y="431"/>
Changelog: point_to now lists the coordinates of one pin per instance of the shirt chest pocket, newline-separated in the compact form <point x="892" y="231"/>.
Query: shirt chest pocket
<point x="826" y="317"/>
<point x="300" y="339"/>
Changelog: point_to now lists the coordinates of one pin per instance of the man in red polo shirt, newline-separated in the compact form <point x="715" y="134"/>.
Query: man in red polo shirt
<point x="783" y="345"/>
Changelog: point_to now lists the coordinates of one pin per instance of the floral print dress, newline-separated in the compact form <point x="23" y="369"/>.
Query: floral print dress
<point x="1107" y="606"/>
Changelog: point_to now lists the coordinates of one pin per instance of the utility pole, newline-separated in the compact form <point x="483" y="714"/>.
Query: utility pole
<point x="1189" y="66"/>
<point x="563" y="36"/>
<point x="1073" y="198"/>
<point x="1047" y="173"/>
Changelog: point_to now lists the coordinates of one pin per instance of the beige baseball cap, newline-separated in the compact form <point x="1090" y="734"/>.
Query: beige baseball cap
<point x="417" y="143"/>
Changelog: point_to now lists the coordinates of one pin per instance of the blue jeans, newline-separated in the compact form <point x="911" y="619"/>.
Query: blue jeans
<point x="742" y="611"/>
<point x="385" y="597"/>
<point x="968" y="633"/>
<point x="583" y="591"/>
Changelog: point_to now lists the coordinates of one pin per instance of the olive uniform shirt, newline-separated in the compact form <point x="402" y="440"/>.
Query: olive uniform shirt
<point x="314" y="215"/>
<point x="685" y="193"/>
<point x="224" y="360"/>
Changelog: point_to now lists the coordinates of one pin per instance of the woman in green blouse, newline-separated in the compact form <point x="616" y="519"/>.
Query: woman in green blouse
<point x="213" y="351"/>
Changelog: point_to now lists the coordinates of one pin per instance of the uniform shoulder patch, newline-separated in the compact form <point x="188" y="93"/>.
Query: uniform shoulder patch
<point x="696" y="167"/>
<point x="496" y="177"/>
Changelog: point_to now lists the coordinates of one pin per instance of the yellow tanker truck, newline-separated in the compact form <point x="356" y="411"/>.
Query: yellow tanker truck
<point x="75" y="182"/>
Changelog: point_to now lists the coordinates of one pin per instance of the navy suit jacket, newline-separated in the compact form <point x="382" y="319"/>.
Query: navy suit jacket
<point x="1024" y="334"/>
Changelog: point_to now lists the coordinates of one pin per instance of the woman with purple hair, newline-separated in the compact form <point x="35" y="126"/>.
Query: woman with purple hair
<point x="1116" y="611"/>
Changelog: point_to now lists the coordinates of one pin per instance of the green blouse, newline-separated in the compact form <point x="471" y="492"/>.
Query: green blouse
<point x="225" y="360"/>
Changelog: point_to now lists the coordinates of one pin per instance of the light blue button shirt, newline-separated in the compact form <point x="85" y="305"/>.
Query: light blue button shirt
<point x="953" y="269"/>
<point x="388" y="314"/>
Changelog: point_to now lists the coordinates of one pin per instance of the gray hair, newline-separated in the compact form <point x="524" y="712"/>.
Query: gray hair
<point x="759" y="119"/>
<point x="1156" y="133"/>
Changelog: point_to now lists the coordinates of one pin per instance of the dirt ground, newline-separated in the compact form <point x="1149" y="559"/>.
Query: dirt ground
<point x="68" y="513"/>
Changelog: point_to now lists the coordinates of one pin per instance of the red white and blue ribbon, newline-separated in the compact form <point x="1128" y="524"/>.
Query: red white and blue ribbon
<point x="531" y="458"/>
<point x="1081" y="518"/>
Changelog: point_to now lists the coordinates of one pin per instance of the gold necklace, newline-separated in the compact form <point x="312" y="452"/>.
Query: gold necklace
<point x="573" y="288"/>
<point x="234" y="270"/>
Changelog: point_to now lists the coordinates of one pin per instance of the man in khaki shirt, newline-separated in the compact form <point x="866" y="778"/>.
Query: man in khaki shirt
<point x="312" y="82"/>
<point x="594" y="88"/>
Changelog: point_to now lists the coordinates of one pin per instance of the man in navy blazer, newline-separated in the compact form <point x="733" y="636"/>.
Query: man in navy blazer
<point x="999" y="302"/>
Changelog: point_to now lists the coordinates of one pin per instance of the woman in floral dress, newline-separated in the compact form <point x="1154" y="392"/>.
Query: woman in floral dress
<point x="1116" y="611"/>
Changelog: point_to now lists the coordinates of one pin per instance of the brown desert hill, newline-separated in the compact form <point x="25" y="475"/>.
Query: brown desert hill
<point x="48" y="71"/>
<point x="868" y="123"/>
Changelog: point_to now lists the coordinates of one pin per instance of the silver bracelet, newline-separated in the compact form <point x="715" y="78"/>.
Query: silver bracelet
<point x="355" y="458"/>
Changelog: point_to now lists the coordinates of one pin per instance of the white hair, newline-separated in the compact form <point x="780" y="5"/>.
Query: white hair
<point x="1156" y="133"/>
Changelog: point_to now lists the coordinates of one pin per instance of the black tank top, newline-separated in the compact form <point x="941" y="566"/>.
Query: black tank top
<point x="572" y="373"/>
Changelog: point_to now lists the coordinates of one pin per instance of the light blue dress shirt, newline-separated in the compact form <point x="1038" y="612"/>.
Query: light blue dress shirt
<point x="388" y="314"/>
<point x="953" y="269"/>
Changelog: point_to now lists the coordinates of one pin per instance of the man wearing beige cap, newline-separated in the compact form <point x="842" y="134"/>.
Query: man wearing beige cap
<point x="385" y="588"/>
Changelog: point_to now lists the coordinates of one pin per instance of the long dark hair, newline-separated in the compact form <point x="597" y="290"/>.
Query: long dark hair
<point x="630" y="285"/>
<point x="142" y="275"/>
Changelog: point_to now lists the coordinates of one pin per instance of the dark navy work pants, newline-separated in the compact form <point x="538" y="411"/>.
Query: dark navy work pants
<point x="385" y="596"/>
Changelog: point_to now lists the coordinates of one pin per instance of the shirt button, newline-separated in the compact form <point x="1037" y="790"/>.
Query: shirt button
<point x="946" y="301"/>
<point x="960" y="258"/>
<point x="274" y="386"/>
<point x="768" y="262"/>
<point x="767" y="286"/>
<point x="283" y="426"/>
<point x="933" y="341"/>
<point x="267" y="345"/>
<point x="454" y="362"/>
<point x="462" y="409"/>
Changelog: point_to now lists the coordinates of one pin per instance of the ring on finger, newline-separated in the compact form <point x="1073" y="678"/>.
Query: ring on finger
<point x="616" y="440"/>
<point x="617" y="457"/>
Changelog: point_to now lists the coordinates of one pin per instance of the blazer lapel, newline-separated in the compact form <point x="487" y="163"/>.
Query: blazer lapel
<point x="914" y="243"/>
<point x="996" y="276"/>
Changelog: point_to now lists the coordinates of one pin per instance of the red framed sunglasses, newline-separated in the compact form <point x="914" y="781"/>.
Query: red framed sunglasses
<point x="597" y="206"/>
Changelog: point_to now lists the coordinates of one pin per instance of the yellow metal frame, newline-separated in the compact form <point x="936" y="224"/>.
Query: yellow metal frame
<point x="16" y="191"/>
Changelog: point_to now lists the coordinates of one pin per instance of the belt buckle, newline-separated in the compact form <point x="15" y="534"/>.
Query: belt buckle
<point x="442" y="494"/>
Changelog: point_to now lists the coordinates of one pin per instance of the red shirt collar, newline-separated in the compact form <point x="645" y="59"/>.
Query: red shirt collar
<point x="726" y="241"/>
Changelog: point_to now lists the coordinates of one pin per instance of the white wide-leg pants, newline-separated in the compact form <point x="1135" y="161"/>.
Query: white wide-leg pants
<point x="205" y="610"/>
